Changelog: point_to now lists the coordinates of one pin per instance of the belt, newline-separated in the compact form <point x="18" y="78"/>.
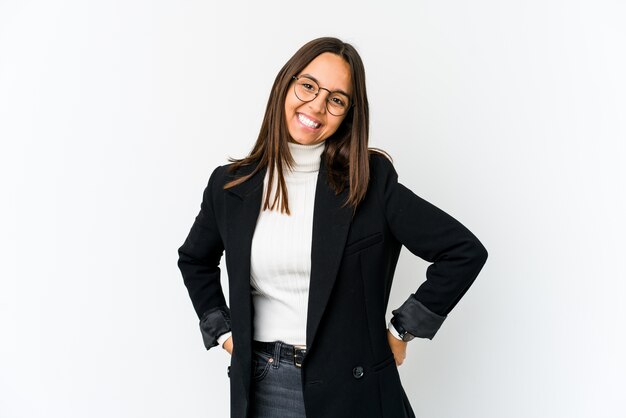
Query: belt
<point x="291" y="353"/>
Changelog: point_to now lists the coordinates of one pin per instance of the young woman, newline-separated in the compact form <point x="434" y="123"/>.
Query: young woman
<point x="312" y="222"/>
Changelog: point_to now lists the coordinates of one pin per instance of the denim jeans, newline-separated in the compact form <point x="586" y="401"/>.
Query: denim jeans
<point x="276" y="386"/>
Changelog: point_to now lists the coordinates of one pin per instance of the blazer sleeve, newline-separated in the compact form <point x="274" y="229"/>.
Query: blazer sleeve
<point x="428" y="232"/>
<point x="198" y="260"/>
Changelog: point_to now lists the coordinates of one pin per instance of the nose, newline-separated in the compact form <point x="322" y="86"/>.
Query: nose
<point x="319" y="103"/>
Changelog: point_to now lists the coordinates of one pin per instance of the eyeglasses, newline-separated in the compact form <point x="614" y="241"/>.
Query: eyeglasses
<point x="306" y="90"/>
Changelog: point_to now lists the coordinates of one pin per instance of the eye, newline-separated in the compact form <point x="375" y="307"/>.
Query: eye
<point x="337" y="101"/>
<point x="308" y="86"/>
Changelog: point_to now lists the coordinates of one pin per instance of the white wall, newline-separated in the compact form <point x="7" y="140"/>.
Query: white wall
<point x="510" y="116"/>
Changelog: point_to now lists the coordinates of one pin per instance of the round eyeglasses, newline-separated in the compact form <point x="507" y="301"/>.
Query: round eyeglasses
<point x="307" y="89"/>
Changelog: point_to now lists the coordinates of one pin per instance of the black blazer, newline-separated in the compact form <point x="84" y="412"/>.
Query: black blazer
<point x="353" y="263"/>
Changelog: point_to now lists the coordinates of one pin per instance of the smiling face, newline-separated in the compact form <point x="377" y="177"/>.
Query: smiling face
<point x="310" y="122"/>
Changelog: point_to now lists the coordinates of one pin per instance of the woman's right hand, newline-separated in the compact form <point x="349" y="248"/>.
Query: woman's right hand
<point x="228" y="345"/>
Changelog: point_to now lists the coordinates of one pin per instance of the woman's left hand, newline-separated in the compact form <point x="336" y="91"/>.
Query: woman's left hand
<point x="398" y="348"/>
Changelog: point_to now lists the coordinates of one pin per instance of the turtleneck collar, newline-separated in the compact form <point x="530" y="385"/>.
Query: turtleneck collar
<point x="306" y="157"/>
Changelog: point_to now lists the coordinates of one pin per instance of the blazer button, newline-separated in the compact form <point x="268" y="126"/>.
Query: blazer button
<point x="357" y="372"/>
<point x="228" y="371"/>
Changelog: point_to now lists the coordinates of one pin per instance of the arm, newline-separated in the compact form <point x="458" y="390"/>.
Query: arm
<point x="457" y="256"/>
<point x="198" y="261"/>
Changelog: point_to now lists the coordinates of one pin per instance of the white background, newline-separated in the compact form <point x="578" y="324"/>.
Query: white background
<point x="508" y="115"/>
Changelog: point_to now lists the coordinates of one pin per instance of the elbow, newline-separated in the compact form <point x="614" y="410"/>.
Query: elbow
<point x="480" y="253"/>
<point x="186" y="260"/>
<point x="183" y="258"/>
<point x="474" y="252"/>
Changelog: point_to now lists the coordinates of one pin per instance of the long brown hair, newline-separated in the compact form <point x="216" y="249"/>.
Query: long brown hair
<point x="346" y="153"/>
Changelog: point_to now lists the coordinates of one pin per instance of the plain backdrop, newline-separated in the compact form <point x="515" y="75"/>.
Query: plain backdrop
<point x="508" y="115"/>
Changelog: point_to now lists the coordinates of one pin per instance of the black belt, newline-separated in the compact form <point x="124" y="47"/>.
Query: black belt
<point x="291" y="353"/>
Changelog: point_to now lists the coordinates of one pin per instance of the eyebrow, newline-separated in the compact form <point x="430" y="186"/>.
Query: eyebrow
<point x="315" y="79"/>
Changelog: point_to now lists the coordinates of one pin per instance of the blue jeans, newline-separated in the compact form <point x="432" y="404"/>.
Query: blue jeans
<point x="276" y="386"/>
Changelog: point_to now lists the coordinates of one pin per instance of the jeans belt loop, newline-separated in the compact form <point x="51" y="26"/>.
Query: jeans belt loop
<point x="298" y="354"/>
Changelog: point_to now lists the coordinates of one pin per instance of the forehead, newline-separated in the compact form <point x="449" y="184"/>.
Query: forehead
<point x="331" y="71"/>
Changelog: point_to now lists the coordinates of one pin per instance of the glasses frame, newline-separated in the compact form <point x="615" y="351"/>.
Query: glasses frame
<point x="319" y="88"/>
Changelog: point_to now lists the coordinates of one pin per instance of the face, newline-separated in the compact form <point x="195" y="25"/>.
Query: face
<point x="310" y="122"/>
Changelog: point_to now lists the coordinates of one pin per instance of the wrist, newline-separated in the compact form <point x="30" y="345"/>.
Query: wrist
<point x="223" y="338"/>
<point x="393" y="331"/>
<point x="403" y="334"/>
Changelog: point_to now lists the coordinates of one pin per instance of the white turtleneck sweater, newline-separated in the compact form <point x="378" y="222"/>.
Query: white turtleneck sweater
<point x="280" y="263"/>
<point x="280" y="259"/>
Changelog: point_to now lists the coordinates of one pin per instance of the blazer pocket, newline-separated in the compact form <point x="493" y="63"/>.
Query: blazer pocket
<point x="362" y="243"/>
<point x="385" y="363"/>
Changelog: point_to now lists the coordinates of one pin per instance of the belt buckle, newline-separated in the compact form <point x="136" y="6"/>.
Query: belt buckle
<point x="298" y="354"/>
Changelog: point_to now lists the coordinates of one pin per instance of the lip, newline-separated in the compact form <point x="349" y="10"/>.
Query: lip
<point x="308" y="117"/>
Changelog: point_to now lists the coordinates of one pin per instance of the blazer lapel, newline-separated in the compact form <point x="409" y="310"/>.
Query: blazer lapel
<point x="243" y="204"/>
<point x="331" y="224"/>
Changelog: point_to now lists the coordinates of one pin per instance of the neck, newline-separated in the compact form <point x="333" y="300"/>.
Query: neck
<point x="306" y="157"/>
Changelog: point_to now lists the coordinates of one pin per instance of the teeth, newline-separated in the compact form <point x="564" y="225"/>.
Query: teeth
<point x="308" y="122"/>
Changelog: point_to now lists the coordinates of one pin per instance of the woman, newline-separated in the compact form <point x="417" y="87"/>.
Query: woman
<point x="311" y="249"/>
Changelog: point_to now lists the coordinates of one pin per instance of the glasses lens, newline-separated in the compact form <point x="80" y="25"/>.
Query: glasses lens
<point x="338" y="104"/>
<point x="306" y="89"/>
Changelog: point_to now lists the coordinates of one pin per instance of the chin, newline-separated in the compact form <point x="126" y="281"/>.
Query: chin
<point x="307" y="141"/>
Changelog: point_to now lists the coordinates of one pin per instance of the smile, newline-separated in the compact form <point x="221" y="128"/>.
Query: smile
<point x="308" y="122"/>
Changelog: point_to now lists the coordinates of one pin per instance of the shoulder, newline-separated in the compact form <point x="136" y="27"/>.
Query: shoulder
<point x="381" y="165"/>
<point x="378" y="157"/>
<point x="218" y="175"/>
<point x="222" y="174"/>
